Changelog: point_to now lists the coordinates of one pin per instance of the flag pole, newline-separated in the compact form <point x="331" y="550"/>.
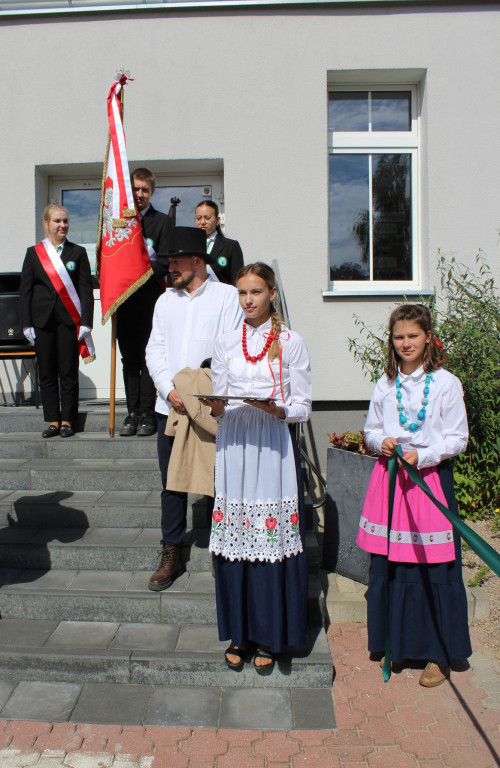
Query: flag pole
<point x="112" y="378"/>
<point x="112" y="382"/>
<point x="112" y="373"/>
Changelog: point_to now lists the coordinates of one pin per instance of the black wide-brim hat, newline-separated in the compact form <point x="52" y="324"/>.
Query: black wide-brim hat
<point x="189" y="241"/>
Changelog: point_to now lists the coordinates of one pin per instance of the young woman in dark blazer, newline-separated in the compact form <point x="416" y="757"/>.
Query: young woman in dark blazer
<point x="226" y="253"/>
<point x="57" y="307"/>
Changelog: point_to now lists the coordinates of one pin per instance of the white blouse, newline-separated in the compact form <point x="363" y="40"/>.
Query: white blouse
<point x="233" y="375"/>
<point x="444" y="432"/>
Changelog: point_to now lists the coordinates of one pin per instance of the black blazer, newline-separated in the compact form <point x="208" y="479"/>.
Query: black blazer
<point x="38" y="298"/>
<point x="228" y="259"/>
<point x="157" y="227"/>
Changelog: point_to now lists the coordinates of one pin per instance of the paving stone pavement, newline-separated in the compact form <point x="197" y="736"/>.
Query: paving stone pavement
<point x="397" y="724"/>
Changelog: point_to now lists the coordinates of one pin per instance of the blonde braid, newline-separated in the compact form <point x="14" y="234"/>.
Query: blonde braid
<point x="274" y="349"/>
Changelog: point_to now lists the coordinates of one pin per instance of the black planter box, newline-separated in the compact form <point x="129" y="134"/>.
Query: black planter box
<point x="347" y="479"/>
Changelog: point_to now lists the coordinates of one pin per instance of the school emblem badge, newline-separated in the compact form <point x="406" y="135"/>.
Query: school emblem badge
<point x="70" y="266"/>
<point x="222" y="261"/>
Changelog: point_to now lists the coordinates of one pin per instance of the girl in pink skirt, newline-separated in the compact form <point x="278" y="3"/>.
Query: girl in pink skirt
<point x="418" y="405"/>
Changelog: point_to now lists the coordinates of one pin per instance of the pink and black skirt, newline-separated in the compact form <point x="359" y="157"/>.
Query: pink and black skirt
<point x="420" y="533"/>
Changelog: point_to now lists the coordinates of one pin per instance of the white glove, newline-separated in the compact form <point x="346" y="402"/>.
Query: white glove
<point x="148" y="244"/>
<point x="30" y="335"/>
<point x="83" y="332"/>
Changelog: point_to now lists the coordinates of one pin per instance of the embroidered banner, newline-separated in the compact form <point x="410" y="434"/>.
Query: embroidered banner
<point x="123" y="263"/>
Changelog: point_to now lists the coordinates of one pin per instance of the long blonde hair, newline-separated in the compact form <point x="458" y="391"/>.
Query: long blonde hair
<point x="265" y="272"/>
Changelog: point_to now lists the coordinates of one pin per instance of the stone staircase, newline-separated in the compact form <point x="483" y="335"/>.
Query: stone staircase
<point x="79" y="534"/>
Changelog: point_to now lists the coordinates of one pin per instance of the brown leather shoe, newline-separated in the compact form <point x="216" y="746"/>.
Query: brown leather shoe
<point x="434" y="674"/>
<point x="169" y="566"/>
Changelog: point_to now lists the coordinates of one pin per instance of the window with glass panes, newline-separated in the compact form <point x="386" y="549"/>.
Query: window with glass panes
<point x="373" y="169"/>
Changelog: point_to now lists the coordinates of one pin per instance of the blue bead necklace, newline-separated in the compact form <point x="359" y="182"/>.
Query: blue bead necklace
<point x="412" y="426"/>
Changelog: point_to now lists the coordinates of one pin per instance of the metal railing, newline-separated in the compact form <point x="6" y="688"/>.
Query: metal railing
<point x="281" y="306"/>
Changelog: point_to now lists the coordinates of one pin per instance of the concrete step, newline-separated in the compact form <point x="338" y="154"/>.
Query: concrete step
<point x="80" y="474"/>
<point x="76" y="611"/>
<point x="119" y="596"/>
<point x="135" y="653"/>
<point x="91" y="509"/>
<point x="276" y="709"/>
<point x="84" y="445"/>
<point x="114" y="549"/>
<point x="106" y="596"/>
<point x="92" y="417"/>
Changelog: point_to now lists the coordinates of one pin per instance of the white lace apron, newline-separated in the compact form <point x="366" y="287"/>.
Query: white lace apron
<point x="256" y="505"/>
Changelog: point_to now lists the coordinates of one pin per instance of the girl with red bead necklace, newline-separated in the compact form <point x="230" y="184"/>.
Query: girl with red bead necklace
<point x="257" y="534"/>
<point x="418" y="405"/>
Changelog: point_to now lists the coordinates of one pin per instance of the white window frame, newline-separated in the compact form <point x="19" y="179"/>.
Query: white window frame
<point x="383" y="142"/>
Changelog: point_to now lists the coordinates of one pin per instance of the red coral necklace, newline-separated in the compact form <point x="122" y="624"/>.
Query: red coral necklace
<point x="261" y="355"/>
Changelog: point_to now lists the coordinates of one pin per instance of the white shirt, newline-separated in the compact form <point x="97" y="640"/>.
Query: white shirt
<point x="147" y="241"/>
<point x="444" y="432"/>
<point x="233" y="375"/>
<point x="185" y="327"/>
<point x="211" y="241"/>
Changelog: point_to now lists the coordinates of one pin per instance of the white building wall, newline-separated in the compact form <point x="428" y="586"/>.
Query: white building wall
<point x="250" y="87"/>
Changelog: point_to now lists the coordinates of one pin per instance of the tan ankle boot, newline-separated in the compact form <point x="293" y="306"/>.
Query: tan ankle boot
<point x="169" y="566"/>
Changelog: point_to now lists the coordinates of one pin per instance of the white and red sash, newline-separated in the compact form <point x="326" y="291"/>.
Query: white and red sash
<point x="58" y="275"/>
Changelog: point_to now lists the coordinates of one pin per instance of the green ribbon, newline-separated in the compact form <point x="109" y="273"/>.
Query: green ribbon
<point x="475" y="542"/>
<point x="393" y="474"/>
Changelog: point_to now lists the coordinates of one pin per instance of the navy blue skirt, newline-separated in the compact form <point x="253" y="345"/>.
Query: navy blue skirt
<point x="262" y="602"/>
<point x="427" y="603"/>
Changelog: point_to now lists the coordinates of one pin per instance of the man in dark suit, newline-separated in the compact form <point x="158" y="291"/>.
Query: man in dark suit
<point x="135" y="315"/>
<point x="49" y="316"/>
<point x="227" y="254"/>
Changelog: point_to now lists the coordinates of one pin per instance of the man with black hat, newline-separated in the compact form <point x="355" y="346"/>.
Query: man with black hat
<point x="187" y="320"/>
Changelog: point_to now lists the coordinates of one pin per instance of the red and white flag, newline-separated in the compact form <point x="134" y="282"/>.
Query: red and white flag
<point x="123" y="263"/>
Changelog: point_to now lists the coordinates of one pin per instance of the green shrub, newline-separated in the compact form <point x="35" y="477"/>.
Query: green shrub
<point x="478" y="579"/>
<point x="466" y="315"/>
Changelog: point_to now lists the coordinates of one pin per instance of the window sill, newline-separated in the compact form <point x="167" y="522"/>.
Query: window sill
<point x="373" y="292"/>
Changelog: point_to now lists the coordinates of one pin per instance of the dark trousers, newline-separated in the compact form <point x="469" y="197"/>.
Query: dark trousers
<point x="173" y="503"/>
<point x="57" y="354"/>
<point x="133" y="329"/>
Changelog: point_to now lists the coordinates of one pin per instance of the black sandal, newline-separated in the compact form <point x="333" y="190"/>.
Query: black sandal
<point x="264" y="669"/>
<point x="240" y="652"/>
<point x="51" y="431"/>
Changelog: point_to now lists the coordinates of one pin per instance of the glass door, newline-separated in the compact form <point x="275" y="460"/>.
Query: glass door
<point x="82" y="199"/>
